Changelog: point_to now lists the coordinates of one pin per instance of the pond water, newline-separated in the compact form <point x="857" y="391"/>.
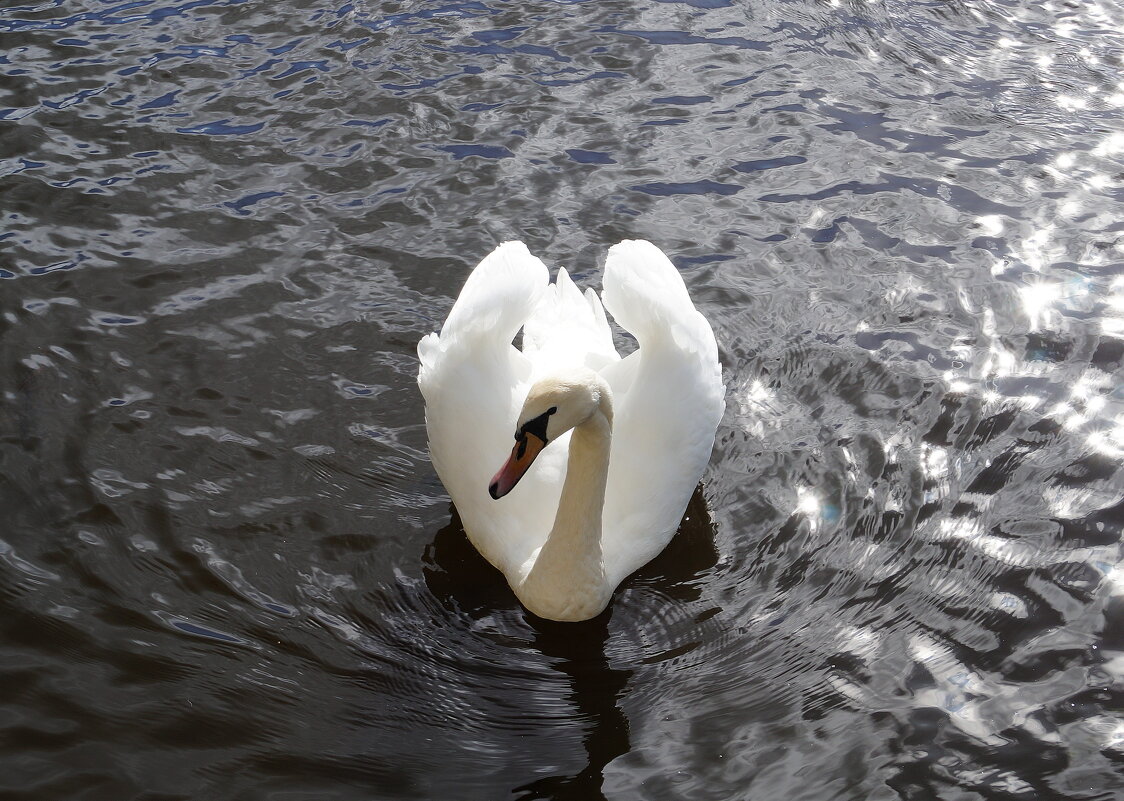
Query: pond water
<point x="227" y="568"/>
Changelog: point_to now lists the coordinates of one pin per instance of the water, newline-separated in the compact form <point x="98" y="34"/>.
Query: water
<point x="227" y="570"/>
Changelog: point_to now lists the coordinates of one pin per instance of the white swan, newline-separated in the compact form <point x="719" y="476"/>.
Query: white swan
<point x="618" y="445"/>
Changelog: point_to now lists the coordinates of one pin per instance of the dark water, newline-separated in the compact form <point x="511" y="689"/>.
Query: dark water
<point x="227" y="570"/>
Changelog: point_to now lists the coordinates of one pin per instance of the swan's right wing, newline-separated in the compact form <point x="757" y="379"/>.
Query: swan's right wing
<point x="668" y="399"/>
<point x="474" y="382"/>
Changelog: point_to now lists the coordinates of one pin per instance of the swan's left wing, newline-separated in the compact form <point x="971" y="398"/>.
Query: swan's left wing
<point x="474" y="382"/>
<point x="668" y="400"/>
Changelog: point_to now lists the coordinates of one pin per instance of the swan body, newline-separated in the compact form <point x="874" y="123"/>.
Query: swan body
<point x="607" y="450"/>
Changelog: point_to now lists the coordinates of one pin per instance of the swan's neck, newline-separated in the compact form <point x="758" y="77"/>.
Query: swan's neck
<point x="567" y="579"/>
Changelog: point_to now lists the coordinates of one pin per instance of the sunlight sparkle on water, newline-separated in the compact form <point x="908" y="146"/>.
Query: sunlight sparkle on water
<point x="992" y="224"/>
<point x="1109" y="443"/>
<point x="757" y="393"/>
<point x="809" y="504"/>
<point x="956" y="385"/>
<point x="1113" y="321"/>
<point x="1037" y="298"/>
<point x="1035" y="248"/>
<point x="1074" y="421"/>
<point x="1089" y="385"/>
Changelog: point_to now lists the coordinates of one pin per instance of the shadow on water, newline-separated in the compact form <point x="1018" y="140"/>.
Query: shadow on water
<point x="461" y="579"/>
<point x="596" y="690"/>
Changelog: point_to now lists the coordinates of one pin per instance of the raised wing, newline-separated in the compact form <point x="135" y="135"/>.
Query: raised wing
<point x="474" y="382"/>
<point x="668" y="400"/>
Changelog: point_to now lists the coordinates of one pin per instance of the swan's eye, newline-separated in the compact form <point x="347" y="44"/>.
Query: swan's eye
<point x="536" y="426"/>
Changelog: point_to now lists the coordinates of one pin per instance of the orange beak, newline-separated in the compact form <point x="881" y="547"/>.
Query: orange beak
<point x="524" y="452"/>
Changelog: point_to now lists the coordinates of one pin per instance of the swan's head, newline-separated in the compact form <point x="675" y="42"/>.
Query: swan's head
<point x="553" y="406"/>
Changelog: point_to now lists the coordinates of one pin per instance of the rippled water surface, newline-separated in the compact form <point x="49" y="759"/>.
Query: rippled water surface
<point x="227" y="569"/>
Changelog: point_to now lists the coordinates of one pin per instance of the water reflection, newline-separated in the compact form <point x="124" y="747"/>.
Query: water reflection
<point x="226" y="226"/>
<point x="596" y="690"/>
<point x="595" y="660"/>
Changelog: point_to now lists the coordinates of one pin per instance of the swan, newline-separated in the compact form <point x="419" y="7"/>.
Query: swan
<point x="617" y="444"/>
